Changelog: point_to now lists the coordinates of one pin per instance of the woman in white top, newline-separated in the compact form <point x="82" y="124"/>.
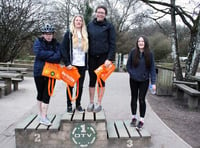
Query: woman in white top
<point x="74" y="49"/>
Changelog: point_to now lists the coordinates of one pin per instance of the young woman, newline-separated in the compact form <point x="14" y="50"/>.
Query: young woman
<point x="46" y="49"/>
<point x="101" y="51"/>
<point x="141" y="68"/>
<point x="74" y="49"/>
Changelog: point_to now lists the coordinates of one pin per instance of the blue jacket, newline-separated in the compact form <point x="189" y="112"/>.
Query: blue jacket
<point x="45" y="52"/>
<point x="101" y="38"/>
<point x="66" y="50"/>
<point x="141" y="73"/>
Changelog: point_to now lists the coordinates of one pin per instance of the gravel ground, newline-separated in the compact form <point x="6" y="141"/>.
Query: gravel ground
<point x="176" y="114"/>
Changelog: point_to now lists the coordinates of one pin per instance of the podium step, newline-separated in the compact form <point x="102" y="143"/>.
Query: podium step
<point x="78" y="130"/>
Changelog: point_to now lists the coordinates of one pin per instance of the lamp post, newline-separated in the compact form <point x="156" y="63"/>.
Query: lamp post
<point x="68" y="12"/>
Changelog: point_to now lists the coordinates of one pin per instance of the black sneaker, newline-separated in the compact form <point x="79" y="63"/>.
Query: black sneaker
<point x="69" y="110"/>
<point x="140" y="125"/>
<point x="80" y="109"/>
<point x="133" y="122"/>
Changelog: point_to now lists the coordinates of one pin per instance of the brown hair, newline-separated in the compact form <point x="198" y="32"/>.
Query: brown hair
<point x="103" y="7"/>
<point x="136" y="55"/>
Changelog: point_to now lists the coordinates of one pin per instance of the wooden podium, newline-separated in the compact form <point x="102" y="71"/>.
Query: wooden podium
<point x="79" y="130"/>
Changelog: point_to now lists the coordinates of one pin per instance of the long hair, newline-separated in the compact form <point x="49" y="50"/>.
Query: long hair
<point x="84" y="34"/>
<point x="136" y="55"/>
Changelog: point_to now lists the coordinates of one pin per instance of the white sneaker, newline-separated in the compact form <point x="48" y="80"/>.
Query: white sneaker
<point x="97" y="108"/>
<point x="90" y="107"/>
<point x="45" y="121"/>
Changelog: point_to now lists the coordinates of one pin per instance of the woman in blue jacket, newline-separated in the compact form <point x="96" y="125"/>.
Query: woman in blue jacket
<point x="101" y="35"/>
<point x="46" y="49"/>
<point x="141" y="68"/>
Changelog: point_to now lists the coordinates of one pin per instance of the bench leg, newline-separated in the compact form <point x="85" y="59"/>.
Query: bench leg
<point x="179" y="93"/>
<point x="192" y="102"/>
<point x="8" y="83"/>
<point x="15" y="86"/>
<point x="0" y="92"/>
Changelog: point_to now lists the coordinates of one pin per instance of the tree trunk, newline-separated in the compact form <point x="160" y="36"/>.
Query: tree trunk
<point x="196" y="53"/>
<point x="174" y="44"/>
<point x="192" y="44"/>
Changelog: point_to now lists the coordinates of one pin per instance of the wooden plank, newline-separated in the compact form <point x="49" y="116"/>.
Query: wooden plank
<point x="112" y="133"/>
<point x="121" y="129"/>
<point x="56" y="123"/>
<point x="34" y="124"/>
<point x="2" y="85"/>
<point x="144" y="133"/>
<point x="100" y="116"/>
<point x="89" y="116"/>
<point x="44" y="127"/>
<point x="185" y="82"/>
<point x="188" y="89"/>
<point x="66" y="117"/>
<point x="26" y="122"/>
<point x="77" y="116"/>
<point x="131" y="130"/>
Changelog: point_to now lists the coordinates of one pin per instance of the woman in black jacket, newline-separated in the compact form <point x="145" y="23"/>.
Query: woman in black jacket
<point x="74" y="49"/>
<point x="101" y="35"/>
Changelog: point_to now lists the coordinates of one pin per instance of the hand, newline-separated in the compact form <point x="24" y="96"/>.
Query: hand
<point x="107" y="63"/>
<point x="154" y="87"/>
<point x="69" y="67"/>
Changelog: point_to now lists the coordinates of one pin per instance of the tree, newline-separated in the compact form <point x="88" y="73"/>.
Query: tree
<point x="192" y="21"/>
<point x="174" y="44"/>
<point x="88" y="12"/>
<point x="17" y="27"/>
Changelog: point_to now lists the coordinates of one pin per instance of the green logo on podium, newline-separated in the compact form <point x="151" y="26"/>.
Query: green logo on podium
<point x="83" y="135"/>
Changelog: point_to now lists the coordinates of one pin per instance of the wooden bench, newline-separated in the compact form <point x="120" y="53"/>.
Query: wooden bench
<point x="15" y="82"/>
<point x="91" y="129"/>
<point x="2" y="86"/>
<point x="189" y="83"/>
<point x="192" y="94"/>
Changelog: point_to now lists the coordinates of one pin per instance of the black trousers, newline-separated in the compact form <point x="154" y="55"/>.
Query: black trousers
<point x="138" y="88"/>
<point x="41" y="83"/>
<point x="94" y="62"/>
<point x="81" y="70"/>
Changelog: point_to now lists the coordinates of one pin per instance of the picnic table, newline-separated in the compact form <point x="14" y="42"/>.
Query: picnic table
<point x="196" y="78"/>
<point x="15" y="69"/>
<point x="7" y="78"/>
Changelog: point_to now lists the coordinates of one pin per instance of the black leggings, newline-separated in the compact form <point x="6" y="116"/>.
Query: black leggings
<point x="141" y="88"/>
<point x="81" y="71"/>
<point x="41" y="83"/>
<point x="94" y="62"/>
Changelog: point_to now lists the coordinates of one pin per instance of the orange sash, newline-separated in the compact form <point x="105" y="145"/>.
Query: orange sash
<point x="103" y="73"/>
<point x="52" y="71"/>
<point x="71" y="77"/>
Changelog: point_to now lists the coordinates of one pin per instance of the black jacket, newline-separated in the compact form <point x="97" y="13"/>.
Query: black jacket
<point x="101" y="38"/>
<point x="66" y="50"/>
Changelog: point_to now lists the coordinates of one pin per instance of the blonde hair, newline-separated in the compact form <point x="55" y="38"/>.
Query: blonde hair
<point x="84" y="34"/>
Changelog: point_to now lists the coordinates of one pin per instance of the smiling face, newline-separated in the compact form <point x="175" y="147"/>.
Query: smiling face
<point x="78" y="22"/>
<point x="141" y="44"/>
<point x="100" y="14"/>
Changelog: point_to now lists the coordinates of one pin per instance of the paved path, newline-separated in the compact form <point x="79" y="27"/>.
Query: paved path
<point x="116" y="104"/>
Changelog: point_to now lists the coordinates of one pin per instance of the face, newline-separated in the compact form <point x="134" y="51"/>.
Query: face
<point x="140" y="43"/>
<point x="100" y="14"/>
<point x="48" y="36"/>
<point x="78" y="22"/>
